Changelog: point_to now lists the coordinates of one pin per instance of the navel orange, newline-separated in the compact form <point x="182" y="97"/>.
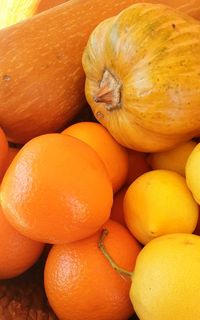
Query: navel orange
<point x="113" y="155"/>
<point x="56" y="190"/>
<point x="17" y="253"/>
<point x="82" y="285"/>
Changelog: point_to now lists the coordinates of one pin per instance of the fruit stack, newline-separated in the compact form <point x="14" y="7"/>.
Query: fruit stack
<point x="99" y="160"/>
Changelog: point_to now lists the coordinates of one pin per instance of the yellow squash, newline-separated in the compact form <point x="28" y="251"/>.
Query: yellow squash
<point x="143" y="76"/>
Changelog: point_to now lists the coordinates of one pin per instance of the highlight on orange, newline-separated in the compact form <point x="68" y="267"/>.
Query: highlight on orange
<point x="56" y="190"/>
<point x="113" y="155"/>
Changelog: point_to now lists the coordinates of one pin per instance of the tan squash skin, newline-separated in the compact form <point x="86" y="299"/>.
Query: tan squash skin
<point x="143" y="77"/>
<point x="191" y="7"/>
<point x="48" y="4"/>
<point x="41" y="77"/>
<point x="14" y="11"/>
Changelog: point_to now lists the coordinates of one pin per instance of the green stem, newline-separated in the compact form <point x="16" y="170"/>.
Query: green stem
<point x="122" y="271"/>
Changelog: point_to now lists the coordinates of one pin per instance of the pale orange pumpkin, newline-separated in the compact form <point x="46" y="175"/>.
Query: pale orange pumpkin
<point x="143" y="76"/>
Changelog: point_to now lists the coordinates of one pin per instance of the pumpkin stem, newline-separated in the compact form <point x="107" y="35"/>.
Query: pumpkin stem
<point x="122" y="271"/>
<point x="109" y="91"/>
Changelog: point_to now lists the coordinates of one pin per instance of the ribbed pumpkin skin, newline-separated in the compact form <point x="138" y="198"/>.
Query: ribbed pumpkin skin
<point x="152" y="53"/>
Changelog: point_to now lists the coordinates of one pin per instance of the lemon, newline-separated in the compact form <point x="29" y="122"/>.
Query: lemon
<point x="166" y="279"/>
<point x="157" y="203"/>
<point x="174" y="159"/>
<point x="192" y="172"/>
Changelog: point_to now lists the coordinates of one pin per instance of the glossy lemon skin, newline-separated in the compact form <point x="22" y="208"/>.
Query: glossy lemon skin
<point x="165" y="282"/>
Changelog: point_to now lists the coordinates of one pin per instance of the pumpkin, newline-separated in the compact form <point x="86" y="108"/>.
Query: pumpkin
<point x="143" y="77"/>
<point x="41" y="77"/>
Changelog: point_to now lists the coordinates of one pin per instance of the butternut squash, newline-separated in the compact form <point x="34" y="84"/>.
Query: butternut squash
<point x="191" y="7"/>
<point x="143" y="76"/>
<point x="13" y="11"/>
<point x="48" y="4"/>
<point x="41" y="77"/>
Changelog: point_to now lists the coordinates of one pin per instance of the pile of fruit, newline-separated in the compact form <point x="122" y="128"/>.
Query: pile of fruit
<point x="99" y="200"/>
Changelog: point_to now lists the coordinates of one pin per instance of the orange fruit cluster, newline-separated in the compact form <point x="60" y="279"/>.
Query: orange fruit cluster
<point x="58" y="189"/>
<point x="64" y="189"/>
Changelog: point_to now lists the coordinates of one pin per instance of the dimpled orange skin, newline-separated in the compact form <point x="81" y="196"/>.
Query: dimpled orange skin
<point x="56" y="190"/>
<point x="82" y="285"/>
<point x="117" y="211"/>
<point x="113" y="155"/>
<point x="17" y="253"/>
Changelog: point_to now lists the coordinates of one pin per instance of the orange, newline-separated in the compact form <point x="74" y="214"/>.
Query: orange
<point x="137" y="165"/>
<point x="117" y="211"/>
<point x="192" y="172"/>
<point x="3" y="152"/>
<point x="82" y="285"/>
<point x="113" y="155"/>
<point x="12" y="152"/>
<point x="174" y="159"/>
<point x="159" y="202"/>
<point x="197" y="229"/>
<point x="56" y="190"/>
<point x="17" y="253"/>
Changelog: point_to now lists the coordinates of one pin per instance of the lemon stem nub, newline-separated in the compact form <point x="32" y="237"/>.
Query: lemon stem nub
<point x="122" y="271"/>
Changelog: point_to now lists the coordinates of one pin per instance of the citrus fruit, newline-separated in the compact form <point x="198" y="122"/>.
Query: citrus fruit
<point x="157" y="203"/>
<point x="12" y="152"/>
<point x="3" y="152"/>
<point x="174" y="159"/>
<point x="82" y="285"/>
<point x="117" y="211"/>
<point x="166" y="278"/>
<point x="17" y="253"/>
<point x="192" y="172"/>
<point x="113" y="155"/>
<point x="137" y="165"/>
<point x="56" y="190"/>
<point x="197" y="229"/>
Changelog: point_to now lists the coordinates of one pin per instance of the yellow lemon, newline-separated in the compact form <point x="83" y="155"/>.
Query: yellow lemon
<point x="192" y="172"/>
<point x="166" y="279"/>
<point x="159" y="202"/>
<point x="174" y="159"/>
